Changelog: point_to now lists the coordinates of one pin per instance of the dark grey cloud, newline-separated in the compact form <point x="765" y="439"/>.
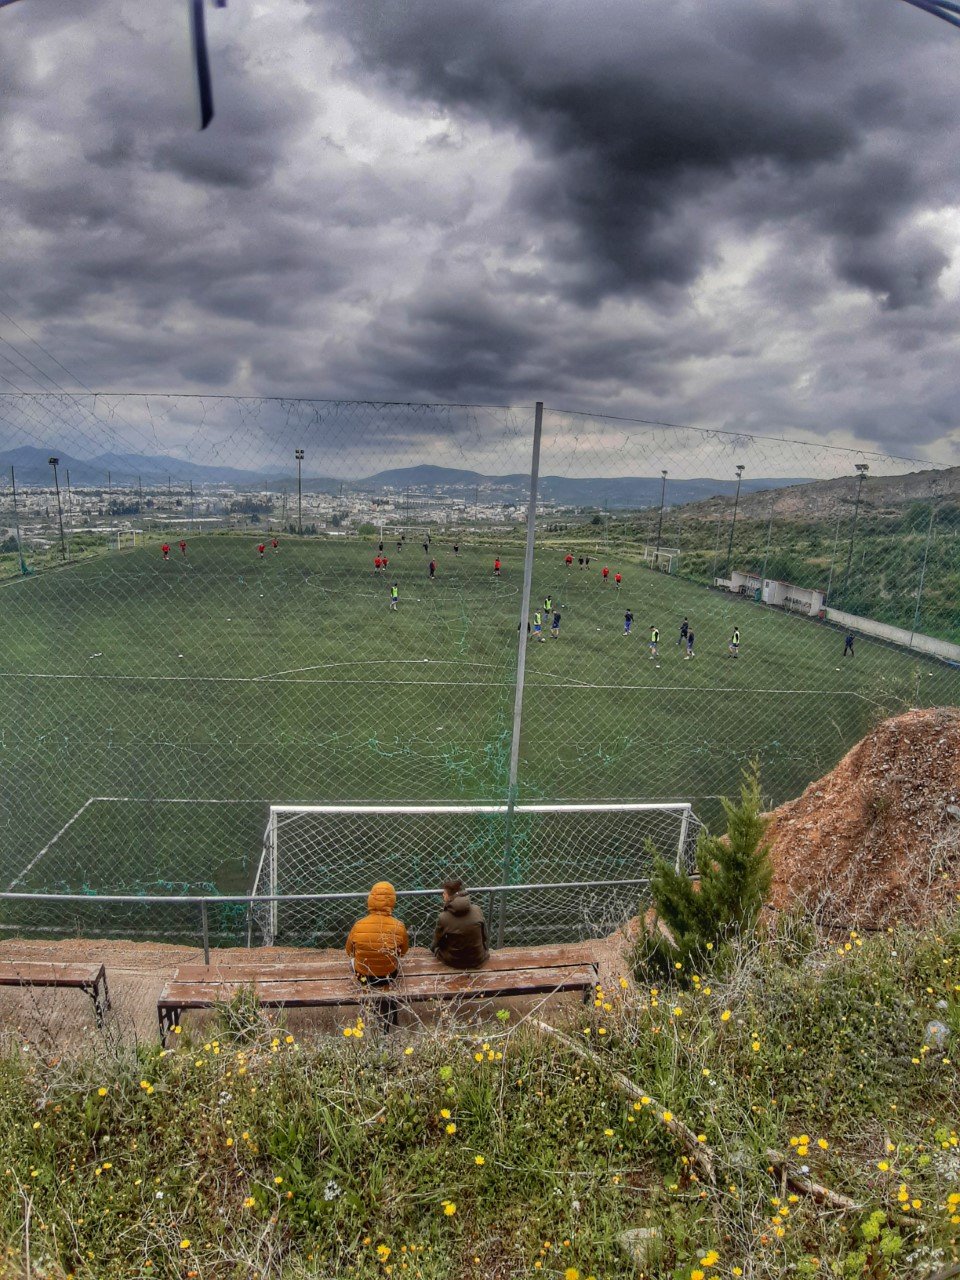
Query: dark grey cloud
<point x="740" y="214"/>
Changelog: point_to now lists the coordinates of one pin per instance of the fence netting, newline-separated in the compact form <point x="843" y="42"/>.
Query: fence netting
<point x="154" y="705"/>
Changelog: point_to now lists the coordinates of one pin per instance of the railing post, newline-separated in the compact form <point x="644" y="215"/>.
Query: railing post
<point x="205" y="930"/>
<point x="521" y="661"/>
<point x="272" y="932"/>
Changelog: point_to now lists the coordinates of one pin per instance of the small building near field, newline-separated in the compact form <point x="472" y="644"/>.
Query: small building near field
<point x="785" y="595"/>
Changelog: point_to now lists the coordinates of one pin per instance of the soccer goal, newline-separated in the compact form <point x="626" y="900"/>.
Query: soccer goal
<point x="548" y="873"/>
<point x="666" y="559"/>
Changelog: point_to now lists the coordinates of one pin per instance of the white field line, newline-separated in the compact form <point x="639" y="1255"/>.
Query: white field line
<point x="469" y="684"/>
<point x="110" y="800"/>
<point x="49" y="845"/>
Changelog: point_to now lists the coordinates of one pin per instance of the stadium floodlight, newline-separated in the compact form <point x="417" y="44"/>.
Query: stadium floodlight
<point x="663" y="492"/>
<point x="55" y="462"/>
<point x="733" y="523"/>
<point x="299" y="455"/>
<point x="861" y="468"/>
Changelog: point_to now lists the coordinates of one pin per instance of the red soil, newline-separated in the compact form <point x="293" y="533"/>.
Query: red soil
<point x="878" y="839"/>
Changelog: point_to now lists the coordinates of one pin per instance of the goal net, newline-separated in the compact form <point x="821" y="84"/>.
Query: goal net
<point x="552" y="872"/>
<point x="666" y="559"/>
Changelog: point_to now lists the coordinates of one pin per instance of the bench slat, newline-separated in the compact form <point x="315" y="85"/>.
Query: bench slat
<point x="336" y="989"/>
<point x="41" y="973"/>
<point x="285" y="971"/>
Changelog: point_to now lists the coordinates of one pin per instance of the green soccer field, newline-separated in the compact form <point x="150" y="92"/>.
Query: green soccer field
<point x="150" y="712"/>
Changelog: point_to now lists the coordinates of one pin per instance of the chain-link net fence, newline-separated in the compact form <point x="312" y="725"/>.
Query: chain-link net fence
<point x="334" y="620"/>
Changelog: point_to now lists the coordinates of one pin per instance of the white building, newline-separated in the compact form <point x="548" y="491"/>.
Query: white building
<point x="786" y="595"/>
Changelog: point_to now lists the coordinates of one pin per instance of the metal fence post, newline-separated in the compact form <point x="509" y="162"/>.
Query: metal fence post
<point x="521" y="662"/>
<point x="272" y="933"/>
<point x="205" y="930"/>
<point x="923" y="573"/>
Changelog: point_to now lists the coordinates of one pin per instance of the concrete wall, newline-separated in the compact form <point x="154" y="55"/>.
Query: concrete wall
<point x="896" y="635"/>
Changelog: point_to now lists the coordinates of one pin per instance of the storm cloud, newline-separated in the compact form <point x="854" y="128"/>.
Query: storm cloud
<point x="740" y="215"/>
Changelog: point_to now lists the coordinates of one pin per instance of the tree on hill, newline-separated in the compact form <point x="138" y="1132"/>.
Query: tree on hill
<point x="695" y="919"/>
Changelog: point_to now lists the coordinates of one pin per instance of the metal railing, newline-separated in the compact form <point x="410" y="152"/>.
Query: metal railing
<point x="494" y="896"/>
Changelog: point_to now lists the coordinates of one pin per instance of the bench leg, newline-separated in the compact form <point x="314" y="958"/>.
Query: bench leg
<point x="93" y="991"/>
<point x="169" y="1018"/>
<point x="101" y="999"/>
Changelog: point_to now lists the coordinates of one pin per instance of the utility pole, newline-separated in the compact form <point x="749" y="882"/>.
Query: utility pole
<point x="663" y="494"/>
<point x="862" y="469"/>
<point x="733" y="522"/>
<point x="55" y="462"/>
<point x="193" y="510"/>
<point x="833" y="558"/>
<point x="16" y="521"/>
<point x="299" y="455"/>
<point x="923" y="570"/>
<point x="69" y="510"/>
<point x="766" y="554"/>
<point x="140" y="487"/>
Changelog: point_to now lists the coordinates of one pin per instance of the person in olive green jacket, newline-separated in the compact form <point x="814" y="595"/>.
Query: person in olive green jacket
<point x="460" y="938"/>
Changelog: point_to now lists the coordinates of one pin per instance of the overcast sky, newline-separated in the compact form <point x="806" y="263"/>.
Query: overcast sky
<point x="742" y="215"/>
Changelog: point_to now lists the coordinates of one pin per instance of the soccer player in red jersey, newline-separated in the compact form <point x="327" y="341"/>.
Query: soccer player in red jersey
<point x="383" y="563"/>
<point x="568" y="560"/>
<point x="618" y="579"/>
<point x="496" y="567"/>
<point x="433" y="567"/>
<point x="166" y="550"/>
<point x="377" y="562"/>
<point x="276" y="546"/>
<point x="261" y="548"/>
<point x="183" y="548"/>
<point x="605" y="574"/>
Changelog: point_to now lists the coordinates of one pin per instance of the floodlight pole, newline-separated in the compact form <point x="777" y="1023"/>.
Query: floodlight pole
<point x="69" y="508"/>
<point x="923" y="571"/>
<point x="55" y="462"/>
<point x="833" y="558"/>
<point x="733" y="522"/>
<point x="862" y="469"/>
<point x="299" y="455"/>
<point x="766" y="554"/>
<point x="663" y="494"/>
<point x="16" y="521"/>
<point x="521" y="661"/>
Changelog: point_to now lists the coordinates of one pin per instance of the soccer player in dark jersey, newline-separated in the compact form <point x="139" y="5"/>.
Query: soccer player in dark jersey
<point x="166" y="550"/>
<point x="433" y="568"/>
<point x="654" y="641"/>
<point x="684" y="628"/>
<point x="399" y="547"/>
<point x="555" y="625"/>
<point x="735" y="643"/>
<point x="261" y="548"/>
<point x="689" y="653"/>
<point x="627" y="622"/>
<point x="380" y="547"/>
<point x="426" y="547"/>
<point x="586" y="561"/>
<point x="580" y="561"/>
<point x="456" y="548"/>
<point x="183" y="548"/>
<point x="848" y="644"/>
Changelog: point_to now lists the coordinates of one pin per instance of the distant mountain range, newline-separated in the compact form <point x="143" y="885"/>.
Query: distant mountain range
<point x="32" y="469"/>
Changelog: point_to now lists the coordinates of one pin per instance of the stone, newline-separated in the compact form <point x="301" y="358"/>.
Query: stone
<point x="640" y="1244"/>
<point x="936" y="1034"/>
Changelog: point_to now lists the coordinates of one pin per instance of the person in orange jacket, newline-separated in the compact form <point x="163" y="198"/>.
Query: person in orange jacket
<point x="376" y="943"/>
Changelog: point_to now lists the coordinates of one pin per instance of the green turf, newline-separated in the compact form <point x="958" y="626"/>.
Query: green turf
<point x="297" y="685"/>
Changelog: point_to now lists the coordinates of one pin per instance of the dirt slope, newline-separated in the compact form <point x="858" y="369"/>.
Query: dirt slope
<point x="878" y="838"/>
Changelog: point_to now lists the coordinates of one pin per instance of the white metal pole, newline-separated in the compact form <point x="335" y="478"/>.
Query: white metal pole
<point x="521" y="654"/>
<point x="684" y="830"/>
<point x="273" y="879"/>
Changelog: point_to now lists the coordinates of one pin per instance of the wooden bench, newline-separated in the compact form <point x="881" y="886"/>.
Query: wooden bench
<point x="329" y="983"/>
<point x="90" y="978"/>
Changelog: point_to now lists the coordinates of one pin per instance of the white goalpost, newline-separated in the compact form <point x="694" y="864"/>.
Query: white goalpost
<point x="545" y="870"/>
<point x="666" y="559"/>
